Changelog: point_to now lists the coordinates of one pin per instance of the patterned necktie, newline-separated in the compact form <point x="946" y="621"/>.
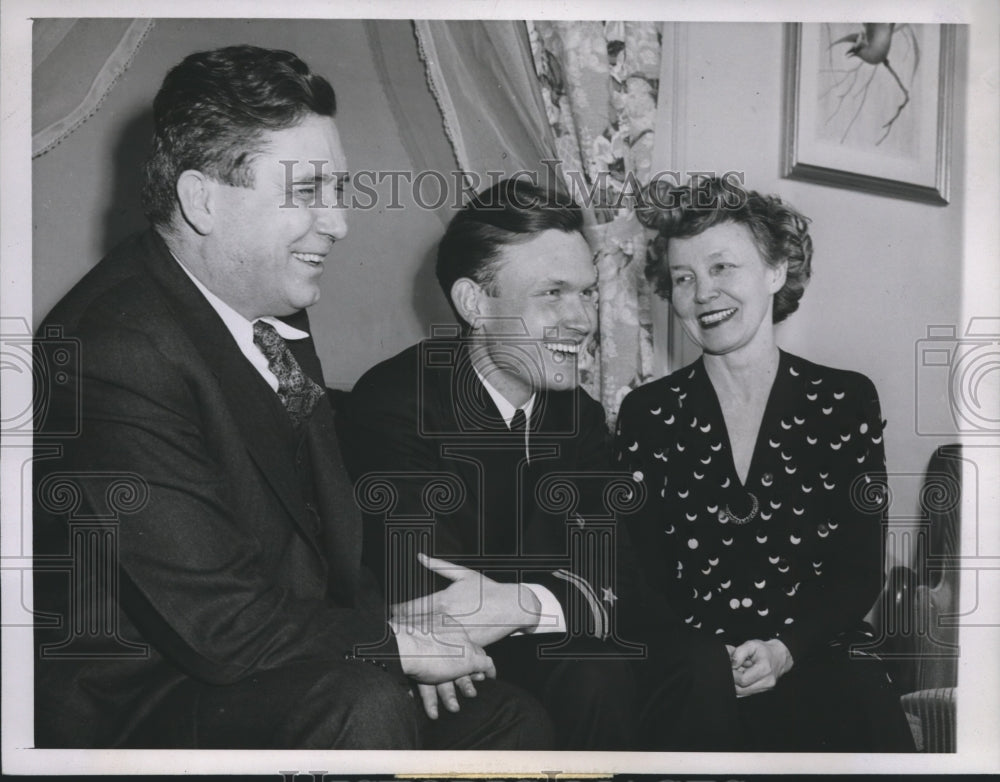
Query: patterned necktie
<point x="298" y="392"/>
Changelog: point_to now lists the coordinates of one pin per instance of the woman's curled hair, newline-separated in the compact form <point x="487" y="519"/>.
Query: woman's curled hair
<point x="780" y="233"/>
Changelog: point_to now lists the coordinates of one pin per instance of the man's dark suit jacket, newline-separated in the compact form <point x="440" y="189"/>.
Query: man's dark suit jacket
<point x="238" y="546"/>
<point x="427" y="447"/>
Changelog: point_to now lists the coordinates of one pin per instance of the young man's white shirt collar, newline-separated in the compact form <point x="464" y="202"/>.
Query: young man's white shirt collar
<point x="505" y="408"/>
<point x="242" y="329"/>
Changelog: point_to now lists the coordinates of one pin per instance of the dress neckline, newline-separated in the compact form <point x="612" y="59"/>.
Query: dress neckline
<point x="712" y="399"/>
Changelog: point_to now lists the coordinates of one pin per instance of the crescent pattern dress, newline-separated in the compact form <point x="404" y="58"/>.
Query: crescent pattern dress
<point x="795" y="551"/>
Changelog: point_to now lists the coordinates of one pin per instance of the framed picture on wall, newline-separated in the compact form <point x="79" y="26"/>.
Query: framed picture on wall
<point x="868" y="107"/>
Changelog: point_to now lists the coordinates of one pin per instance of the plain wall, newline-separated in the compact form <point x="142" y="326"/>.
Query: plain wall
<point x="379" y="291"/>
<point x="884" y="269"/>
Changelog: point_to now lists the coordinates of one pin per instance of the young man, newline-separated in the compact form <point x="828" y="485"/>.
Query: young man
<point x="226" y="606"/>
<point x="479" y="459"/>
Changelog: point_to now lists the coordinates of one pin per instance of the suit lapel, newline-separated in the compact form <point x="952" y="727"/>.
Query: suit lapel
<point x="474" y="408"/>
<point x="334" y="493"/>
<point x="252" y="403"/>
<point x="342" y="528"/>
<point x="304" y="350"/>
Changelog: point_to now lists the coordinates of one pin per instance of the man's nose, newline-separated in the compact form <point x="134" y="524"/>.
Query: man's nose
<point x="579" y="314"/>
<point x="331" y="220"/>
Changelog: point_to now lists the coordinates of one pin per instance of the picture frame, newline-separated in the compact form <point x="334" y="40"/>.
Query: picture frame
<point x="852" y="120"/>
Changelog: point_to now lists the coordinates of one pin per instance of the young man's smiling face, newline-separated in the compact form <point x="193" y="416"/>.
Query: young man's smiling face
<point x="537" y="315"/>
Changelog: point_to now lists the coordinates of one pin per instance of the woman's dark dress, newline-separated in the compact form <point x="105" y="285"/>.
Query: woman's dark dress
<point x="805" y="568"/>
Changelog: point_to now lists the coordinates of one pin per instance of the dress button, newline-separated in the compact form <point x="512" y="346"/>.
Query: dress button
<point x="767" y="477"/>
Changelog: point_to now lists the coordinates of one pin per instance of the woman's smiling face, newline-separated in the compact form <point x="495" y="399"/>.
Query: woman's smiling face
<point x="722" y="289"/>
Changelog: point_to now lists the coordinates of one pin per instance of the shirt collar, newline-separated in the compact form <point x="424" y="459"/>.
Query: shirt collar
<point x="238" y="326"/>
<point x="506" y="409"/>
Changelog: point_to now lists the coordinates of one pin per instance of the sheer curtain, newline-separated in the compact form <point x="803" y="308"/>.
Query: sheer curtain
<point x="518" y="96"/>
<point x="481" y="75"/>
<point x="75" y="64"/>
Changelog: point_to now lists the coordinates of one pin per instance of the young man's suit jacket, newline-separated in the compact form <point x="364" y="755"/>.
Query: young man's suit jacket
<point x="237" y="545"/>
<point x="429" y="450"/>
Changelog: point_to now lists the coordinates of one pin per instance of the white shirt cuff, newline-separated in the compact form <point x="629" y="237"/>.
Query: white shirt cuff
<point x="551" y="618"/>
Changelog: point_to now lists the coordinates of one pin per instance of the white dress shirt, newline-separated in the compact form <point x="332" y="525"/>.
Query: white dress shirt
<point x="242" y="329"/>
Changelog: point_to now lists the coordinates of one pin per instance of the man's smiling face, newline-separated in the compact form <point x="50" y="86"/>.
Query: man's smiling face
<point x="537" y="315"/>
<point x="269" y="242"/>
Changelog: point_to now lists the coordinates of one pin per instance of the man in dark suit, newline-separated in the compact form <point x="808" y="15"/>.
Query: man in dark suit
<point x="480" y="449"/>
<point x="198" y="578"/>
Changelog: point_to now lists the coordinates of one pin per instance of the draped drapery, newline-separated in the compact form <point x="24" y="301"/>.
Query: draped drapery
<point x="518" y="97"/>
<point x="481" y="76"/>
<point x="75" y="63"/>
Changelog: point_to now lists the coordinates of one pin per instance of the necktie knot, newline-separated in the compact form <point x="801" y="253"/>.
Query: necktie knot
<point x="298" y="392"/>
<point x="519" y="422"/>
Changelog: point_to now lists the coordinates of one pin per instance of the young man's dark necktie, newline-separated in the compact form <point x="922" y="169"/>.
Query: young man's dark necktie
<point x="298" y="392"/>
<point x="519" y="422"/>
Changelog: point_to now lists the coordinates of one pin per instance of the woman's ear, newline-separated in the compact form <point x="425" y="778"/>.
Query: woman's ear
<point x="779" y="274"/>
<point x="467" y="296"/>
<point x="195" y="194"/>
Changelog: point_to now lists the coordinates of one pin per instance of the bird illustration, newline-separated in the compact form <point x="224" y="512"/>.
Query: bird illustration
<point x="871" y="45"/>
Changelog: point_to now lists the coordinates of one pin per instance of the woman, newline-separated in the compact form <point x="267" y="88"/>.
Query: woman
<point x="764" y="482"/>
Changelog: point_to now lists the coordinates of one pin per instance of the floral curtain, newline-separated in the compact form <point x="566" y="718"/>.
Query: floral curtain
<point x="599" y="83"/>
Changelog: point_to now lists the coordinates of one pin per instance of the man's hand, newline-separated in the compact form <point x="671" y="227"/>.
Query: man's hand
<point x="487" y="609"/>
<point x="430" y="694"/>
<point x="439" y="655"/>
<point x="757" y="665"/>
<point x="433" y="650"/>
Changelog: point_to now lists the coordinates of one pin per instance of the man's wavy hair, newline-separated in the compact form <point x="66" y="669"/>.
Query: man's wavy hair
<point x="212" y="110"/>
<point x="779" y="232"/>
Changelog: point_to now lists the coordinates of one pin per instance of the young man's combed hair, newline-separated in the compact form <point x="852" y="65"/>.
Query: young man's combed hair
<point x="510" y="212"/>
